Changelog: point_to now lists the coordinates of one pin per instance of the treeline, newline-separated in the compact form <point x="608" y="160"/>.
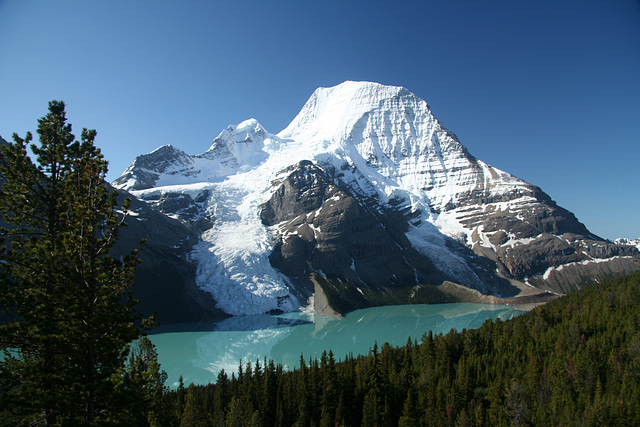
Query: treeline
<point x="67" y="321"/>
<point x="573" y="361"/>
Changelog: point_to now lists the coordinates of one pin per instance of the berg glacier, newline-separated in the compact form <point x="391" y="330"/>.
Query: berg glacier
<point x="381" y="148"/>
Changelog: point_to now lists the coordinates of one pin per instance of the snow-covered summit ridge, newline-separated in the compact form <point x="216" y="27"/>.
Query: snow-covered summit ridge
<point x="391" y="135"/>
<point x="236" y="149"/>
<point x="330" y="112"/>
<point x="384" y="145"/>
<point x="385" y="131"/>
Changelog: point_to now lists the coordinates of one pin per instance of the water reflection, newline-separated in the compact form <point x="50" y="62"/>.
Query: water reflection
<point x="235" y="323"/>
<point x="199" y="351"/>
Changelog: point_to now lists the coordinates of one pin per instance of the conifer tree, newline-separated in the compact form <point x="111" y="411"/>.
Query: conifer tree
<point x="192" y="415"/>
<point x="68" y="304"/>
<point x="409" y="415"/>
<point x="140" y="384"/>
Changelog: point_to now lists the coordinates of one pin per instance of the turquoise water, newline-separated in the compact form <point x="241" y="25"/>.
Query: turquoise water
<point x="199" y="351"/>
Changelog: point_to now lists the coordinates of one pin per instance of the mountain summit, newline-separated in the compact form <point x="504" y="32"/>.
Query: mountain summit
<point x="364" y="199"/>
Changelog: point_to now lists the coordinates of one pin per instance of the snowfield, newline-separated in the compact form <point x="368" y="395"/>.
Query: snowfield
<point x="385" y="142"/>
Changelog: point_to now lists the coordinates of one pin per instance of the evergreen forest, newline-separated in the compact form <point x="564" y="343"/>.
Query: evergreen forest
<point x="572" y="361"/>
<point x="74" y="350"/>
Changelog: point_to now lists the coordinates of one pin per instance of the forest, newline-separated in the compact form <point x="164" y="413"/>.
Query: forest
<point x="74" y="350"/>
<point x="572" y="361"/>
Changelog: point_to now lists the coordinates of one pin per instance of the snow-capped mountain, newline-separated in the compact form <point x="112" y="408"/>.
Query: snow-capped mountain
<point x="626" y="241"/>
<point x="368" y="199"/>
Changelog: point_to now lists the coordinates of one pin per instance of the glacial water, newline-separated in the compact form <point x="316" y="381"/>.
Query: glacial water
<point x="199" y="351"/>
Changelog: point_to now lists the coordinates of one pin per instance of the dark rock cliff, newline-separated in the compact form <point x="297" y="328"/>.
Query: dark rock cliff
<point x="166" y="278"/>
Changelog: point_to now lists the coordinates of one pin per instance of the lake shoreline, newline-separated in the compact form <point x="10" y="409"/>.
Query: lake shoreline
<point x="527" y="299"/>
<point x="198" y="352"/>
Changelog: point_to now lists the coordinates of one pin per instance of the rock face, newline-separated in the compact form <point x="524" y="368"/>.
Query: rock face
<point x="166" y="278"/>
<point x="369" y="196"/>
<point x="322" y="227"/>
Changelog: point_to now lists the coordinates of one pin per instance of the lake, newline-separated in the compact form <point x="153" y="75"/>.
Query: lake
<point x="198" y="351"/>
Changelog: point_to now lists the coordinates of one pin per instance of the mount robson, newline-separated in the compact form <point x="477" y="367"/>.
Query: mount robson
<point x="364" y="199"/>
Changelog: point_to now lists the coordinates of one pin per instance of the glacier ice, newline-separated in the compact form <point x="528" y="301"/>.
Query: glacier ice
<point x="385" y="140"/>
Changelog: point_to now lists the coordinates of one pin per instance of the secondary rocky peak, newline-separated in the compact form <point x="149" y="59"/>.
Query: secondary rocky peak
<point x="236" y="149"/>
<point x="146" y="169"/>
<point x="246" y="132"/>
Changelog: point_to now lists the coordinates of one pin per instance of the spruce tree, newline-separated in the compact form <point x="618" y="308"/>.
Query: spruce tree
<point x="140" y="385"/>
<point x="68" y="305"/>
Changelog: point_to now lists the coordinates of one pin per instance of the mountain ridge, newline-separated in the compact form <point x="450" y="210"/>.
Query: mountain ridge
<point x="360" y="165"/>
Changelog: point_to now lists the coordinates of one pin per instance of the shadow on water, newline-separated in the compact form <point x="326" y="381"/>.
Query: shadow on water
<point x="235" y="323"/>
<point x="199" y="351"/>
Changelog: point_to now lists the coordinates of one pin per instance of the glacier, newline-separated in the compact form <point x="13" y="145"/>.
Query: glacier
<point x="386" y="145"/>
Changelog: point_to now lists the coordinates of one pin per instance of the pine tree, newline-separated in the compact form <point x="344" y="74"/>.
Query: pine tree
<point x="69" y="303"/>
<point x="180" y="394"/>
<point x="330" y="385"/>
<point x="304" y="395"/>
<point x="268" y="400"/>
<point x="140" y="385"/>
<point x="409" y="415"/>
<point x="192" y="415"/>
<point x="371" y="409"/>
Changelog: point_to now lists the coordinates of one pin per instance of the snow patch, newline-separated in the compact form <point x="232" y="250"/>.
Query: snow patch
<point x="547" y="274"/>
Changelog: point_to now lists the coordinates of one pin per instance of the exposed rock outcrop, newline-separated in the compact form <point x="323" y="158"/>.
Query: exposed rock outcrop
<point x="166" y="278"/>
<point x="368" y="191"/>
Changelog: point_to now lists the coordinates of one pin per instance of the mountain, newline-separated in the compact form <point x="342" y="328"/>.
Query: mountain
<point x="166" y="278"/>
<point x="364" y="199"/>
<point x="631" y="242"/>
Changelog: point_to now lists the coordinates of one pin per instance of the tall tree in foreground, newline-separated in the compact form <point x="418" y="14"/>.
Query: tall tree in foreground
<point x="68" y="306"/>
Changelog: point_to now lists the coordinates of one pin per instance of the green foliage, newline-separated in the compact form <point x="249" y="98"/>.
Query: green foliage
<point x="140" y="386"/>
<point x="69" y="321"/>
<point x="573" y="361"/>
<point x="67" y="304"/>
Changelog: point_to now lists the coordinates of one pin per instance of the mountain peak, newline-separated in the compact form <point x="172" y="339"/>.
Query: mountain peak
<point x="363" y="173"/>
<point x="245" y="132"/>
<point x="331" y="112"/>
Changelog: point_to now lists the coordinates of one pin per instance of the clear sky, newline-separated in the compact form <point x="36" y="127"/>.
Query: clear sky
<point x="546" y="90"/>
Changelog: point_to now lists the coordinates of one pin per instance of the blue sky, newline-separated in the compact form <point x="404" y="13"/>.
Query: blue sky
<point x="546" y="90"/>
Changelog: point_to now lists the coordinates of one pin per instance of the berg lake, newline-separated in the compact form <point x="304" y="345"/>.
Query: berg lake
<point x="198" y="351"/>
